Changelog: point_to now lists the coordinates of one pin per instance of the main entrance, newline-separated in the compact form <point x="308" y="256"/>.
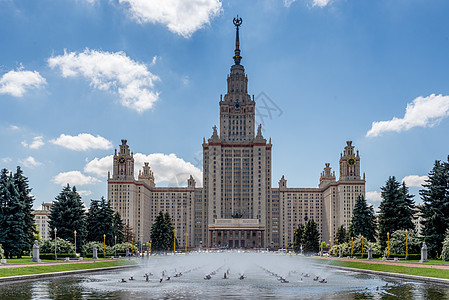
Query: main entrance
<point x="236" y="233"/>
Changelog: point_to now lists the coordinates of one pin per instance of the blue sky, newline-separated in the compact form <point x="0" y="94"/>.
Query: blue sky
<point x="77" y="76"/>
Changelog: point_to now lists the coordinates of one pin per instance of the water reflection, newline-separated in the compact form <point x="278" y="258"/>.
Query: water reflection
<point x="265" y="277"/>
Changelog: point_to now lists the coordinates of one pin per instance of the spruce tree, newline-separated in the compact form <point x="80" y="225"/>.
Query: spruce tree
<point x="170" y="229"/>
<point x="311" y="237"/>
<point x="117" y="229"/>
<point x="341" y="234"/>
<point x="67" y="215"/>
<point x="162" y="230"/>
<point x="21" y="183"/>
<point x="406" y="209"/>
<point x="13" y="236"/>
<point x="388" y="221"/>
<point x="363" y="220"/>
<point x="298" y="238"/>
<point x="158" y="233"/>
<point x="106" y="223"/>
<point x="93" y="221"/>
<point x="435" y="209"/>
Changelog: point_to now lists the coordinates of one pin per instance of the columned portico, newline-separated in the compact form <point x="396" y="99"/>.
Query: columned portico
<point x="236" y="233"/>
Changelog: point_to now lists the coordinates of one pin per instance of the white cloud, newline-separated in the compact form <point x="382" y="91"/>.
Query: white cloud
<point x="414" y="180"/>
<point x="320" y="3"/>
<point x="422" y="112"/>
<point x="373" y="196"/>
<point x="74" y="178"/>
<point x="6" y="160"/>
<point x="113" y="72"/>
<point x="180" y="16"/>
<point x="82" y="142"/>
<point x="35" y="144"/>
<point x="14" y="127"/>
<point x="99" y="166"/>
<point x="168" y="169"/>
<point x="287" y="3"/>
<point x="16" y="83"/>
<point x="30" y="162"/>
<point x="84" y="193"/>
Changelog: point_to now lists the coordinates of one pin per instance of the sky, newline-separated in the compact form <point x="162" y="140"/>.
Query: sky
<point x="77" y="76"/>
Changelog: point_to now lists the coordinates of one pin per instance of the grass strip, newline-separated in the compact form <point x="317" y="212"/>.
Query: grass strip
<point x="18" y="271"/>
<point x="427" y="272"/>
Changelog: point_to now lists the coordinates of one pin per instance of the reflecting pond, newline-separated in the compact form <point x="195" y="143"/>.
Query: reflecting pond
<point x="224" y="276"/>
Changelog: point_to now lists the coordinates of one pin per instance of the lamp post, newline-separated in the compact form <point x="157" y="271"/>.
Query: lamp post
<point x="174" y="241"/>
<point x="55" y="243"/>
<point x="75" y="242"/>
<point x="132" y="245"/>
<point x="150" y="247"/>
<point x="352" y="246"/>
<point x="406" y="244"/>
<point x="141" y="243"/>
<point x="336" y="240"/>
<point x="319" y="247"/>
<point x="104" y="245"/>
<point x="388" y="245"/>
<point x="285" y="242"/>
<point x="115" y="251"/>
<point x="362" y="246"/>
<point x="186" y="240"/>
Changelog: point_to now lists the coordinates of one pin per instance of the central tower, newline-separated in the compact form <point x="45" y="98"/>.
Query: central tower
<point x="237" y="109"/>
<point x="237" y="167"/>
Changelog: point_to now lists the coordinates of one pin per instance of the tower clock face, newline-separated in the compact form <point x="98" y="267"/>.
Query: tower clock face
<point x="351" y="161"/>
<point x="121" y="160"/>
<point x="237" y="104"/>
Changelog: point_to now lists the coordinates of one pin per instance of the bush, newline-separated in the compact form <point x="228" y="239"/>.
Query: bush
<point x="2" y="252"/>
<point x="62" y="246"/>
<point x="346" y="247"/>
<point x="397" y="243"/>
<point x="88" y="248"/>
<point x="445" y="251"/>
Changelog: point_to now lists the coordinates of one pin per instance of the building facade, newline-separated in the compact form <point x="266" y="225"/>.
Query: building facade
<point x="41" y="218"/>
<point x="237" y="206"/>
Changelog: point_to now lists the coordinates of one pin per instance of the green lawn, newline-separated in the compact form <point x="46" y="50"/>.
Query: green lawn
<point x="429" y="272"/>
<point x="5" y="272"/>
<point x="27" y="260"/>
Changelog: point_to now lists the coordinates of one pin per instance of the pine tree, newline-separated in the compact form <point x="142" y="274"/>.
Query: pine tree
<point x="363" y="220"/>
<point x="435" y="209"/>
<point x="311" y="237"/>
<point x="117" y="228"/>
<point x="298" y="238"/>
<point x="13" y="236"/>
<point x="67" y="215"/>
<point x="388" y="216"/>
<point x="21" y="183"/>
<point x="341" y="234"/>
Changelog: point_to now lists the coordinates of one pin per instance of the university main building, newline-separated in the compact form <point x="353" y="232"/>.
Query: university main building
<point x="237" y="207"/>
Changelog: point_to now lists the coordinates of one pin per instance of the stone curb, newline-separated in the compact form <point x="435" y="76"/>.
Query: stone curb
<point x="388" y="274"/>
<point x="59" y="274"/>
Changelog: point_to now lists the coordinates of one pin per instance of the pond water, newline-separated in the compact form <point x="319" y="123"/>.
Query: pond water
<point x="248" y="276"/>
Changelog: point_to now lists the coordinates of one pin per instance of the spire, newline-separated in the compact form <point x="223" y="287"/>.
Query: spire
<point x="237" y="58"/>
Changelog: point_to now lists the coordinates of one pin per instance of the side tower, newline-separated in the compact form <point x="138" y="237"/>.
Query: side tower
<point x="122" y="187"/>
<point x="339" y="198"/>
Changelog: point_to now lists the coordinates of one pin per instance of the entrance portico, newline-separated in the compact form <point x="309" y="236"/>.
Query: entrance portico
<point x="236" y="233"/>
